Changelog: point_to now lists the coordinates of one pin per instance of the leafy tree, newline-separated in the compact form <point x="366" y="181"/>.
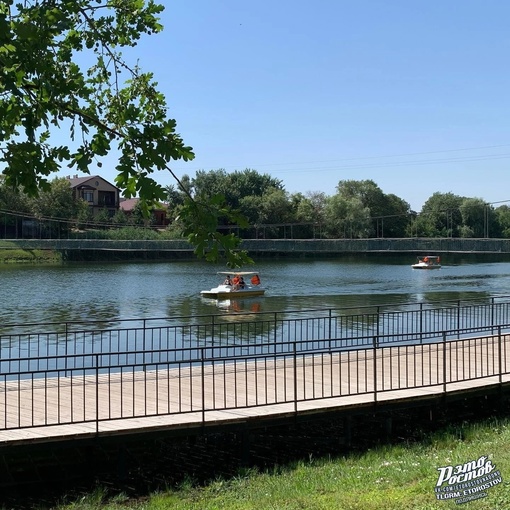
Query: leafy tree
<point x="347" y="218"/>
<point x="102" y="218"/>
<point x="137" y="216"/>
<point x="56" y="201"/>
<point x="120" y="218"/>
<point x="275" y="207"/>
<point x="177" y="196"/>
<point x="474" y="213"/>
<point x="174" y="198"/>
<point x="271" y="209"/>
<point x="502" y="214"/>
<point x="84" y="215"/>
<point x="245" y="194"/>
<point x="12" y="202"/>
<point x="249" y="183"/>
<point x="310" y="207"/>
<point x="390" y="213"/>
<point x="367" y="191"/>
<point x="421" y="225"/>
<point x="308" y="211"/>
<point x="12" y="199"/>
<point x="233" y="187"/>
<point x="106" y="105"/>
<point x="251" y="205"/>
<point x="441" y="213"/>
<point x="206" y="185"/>
<point x="396" y="218"/>
<point x="199" y="224"/>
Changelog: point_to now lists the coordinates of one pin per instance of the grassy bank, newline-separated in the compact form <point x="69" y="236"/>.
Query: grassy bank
<point x="401" y="476"/>
<point x="17" y="256"/>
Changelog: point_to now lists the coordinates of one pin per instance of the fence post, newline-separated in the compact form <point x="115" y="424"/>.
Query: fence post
<point x="444" y="362"/>
<point x="500" y="356"/>
<point x="65" y="350"/>
<point x="144" y="347"/>
<point x="97" y="392"/>
<point x="421" y="323"/>
<point x="458" y="320"/>
<point x="202" y="356"/>
<point x="329" y="330"/>
<point x="492" y="312"/>
<point x="294" y="343"/>
<point x="374" y="349"/>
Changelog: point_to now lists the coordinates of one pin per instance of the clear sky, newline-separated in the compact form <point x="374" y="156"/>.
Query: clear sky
<point x="411" y="94"/>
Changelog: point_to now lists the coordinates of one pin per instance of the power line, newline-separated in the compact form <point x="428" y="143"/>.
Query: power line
<point x="402" y="163"/>
<point x="394" y="155"/>
<point x="486" y="157"/>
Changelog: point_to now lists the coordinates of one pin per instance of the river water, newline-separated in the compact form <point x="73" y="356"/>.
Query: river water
<point x="115" y="291"/>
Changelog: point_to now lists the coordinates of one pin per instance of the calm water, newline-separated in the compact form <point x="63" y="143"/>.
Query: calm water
<point x="110" y="291"/>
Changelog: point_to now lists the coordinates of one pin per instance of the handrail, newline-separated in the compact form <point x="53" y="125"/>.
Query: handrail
<point x="205" y="318"/>
<point x="83" y="394"/>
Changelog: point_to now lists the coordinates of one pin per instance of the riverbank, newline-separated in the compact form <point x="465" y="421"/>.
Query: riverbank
<point x="167" y="249"/>
<point x="310" y="464"/>
<point x="402" y="475"/>
<point x="399" y="477"/>
<point x="20" y="256"/>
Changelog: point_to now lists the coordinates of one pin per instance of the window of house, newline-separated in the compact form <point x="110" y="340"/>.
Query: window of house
<point x="107" y="198"/>
<point x="88" y="195"/>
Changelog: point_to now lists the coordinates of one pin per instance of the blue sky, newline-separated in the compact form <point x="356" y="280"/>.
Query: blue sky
<point x="411" y="94"/>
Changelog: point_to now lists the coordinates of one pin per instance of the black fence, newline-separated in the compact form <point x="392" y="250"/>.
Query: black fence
<point x="99" y="388"/>
<point x="176" y="338"/>
<point x="18" y="226"/>
<point x="162" y="366"/>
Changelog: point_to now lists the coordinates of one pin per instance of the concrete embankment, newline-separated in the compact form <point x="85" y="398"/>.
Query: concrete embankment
<point x="100" y="249"/>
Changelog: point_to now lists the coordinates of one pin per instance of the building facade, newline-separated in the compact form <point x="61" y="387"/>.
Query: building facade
<point x="97" y="192"/>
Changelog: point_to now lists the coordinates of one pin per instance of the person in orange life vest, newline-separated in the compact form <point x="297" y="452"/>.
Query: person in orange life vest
<point x="235" y="282"/>
<point x="255" y="280"/>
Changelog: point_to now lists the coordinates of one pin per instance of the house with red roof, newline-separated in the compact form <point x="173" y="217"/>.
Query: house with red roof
<point x="158" y="213"/>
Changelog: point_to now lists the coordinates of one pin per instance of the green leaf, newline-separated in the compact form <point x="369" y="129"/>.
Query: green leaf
<point x="61" y="64"/>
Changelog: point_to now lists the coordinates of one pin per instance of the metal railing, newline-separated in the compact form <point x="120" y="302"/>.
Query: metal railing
<point x="254" y="332"/>
<point x="154" y="367"/>
<point x="95" y="387"/>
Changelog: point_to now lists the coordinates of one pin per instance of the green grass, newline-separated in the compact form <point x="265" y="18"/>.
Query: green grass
<point x="399" y="477"/>
<point x="8" y="256"/>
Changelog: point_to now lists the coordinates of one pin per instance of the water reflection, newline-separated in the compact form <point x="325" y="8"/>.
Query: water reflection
<point x="236" y="305"/>
<point x="112" y="292"/>
<point x="165" y="297"/>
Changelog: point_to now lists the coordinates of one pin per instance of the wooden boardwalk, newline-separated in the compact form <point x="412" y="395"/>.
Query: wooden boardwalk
<point x="237" y="391"/>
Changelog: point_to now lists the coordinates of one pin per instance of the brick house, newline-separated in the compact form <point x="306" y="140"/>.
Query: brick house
<point x="97" y="192"/>
<point x="159" y="213"/>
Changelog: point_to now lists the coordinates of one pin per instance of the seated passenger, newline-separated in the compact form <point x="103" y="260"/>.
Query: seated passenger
<point x="235" y="282"/>
<point x="255" y="280"/>
<point x="241" y="283"/>
<point x="227" y="281"/>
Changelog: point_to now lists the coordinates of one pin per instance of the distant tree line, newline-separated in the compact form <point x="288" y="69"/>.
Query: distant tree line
<point x="357" y="209"/>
